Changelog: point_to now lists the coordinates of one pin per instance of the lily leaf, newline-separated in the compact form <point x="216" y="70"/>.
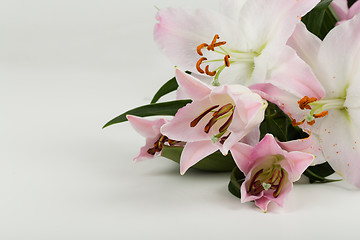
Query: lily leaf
<point x="318" y="173"/>
<point x="168" y="87"/>
<point x="156" y="109"/>
<point x="215" y="162"/>
<point x="321" y="19"/>
<point x="236" y="179"/>
<point x="279" y="124"/>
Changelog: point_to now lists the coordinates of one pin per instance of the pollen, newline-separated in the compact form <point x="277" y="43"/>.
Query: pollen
<point x="304" y="102"/>
<point x="198" y="63"/>
<point x="208" y="72"/>
<point x="226" y="59"/>
<point x="320" y="115"/>
<point x="200" y="47"/>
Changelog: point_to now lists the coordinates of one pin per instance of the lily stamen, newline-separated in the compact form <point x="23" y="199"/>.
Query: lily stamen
<point x="208" y="72"/>
<point x="197" y="120"/>
<point x="200" y="47"/>
<point x="198" y="63"/>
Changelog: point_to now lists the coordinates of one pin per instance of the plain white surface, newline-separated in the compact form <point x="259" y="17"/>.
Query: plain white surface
<point x="69" y="66"/>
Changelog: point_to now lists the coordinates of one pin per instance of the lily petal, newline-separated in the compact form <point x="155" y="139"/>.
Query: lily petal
<point x="192" y="87"/>
<point x="147" y="128"/>
<point x="341" y="144"/>
<point x="193" y="152"/>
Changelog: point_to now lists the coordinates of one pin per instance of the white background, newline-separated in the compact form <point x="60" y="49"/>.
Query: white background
<point x="69" y="66"/>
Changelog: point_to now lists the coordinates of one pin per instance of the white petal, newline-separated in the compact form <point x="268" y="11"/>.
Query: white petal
<point x="339" y="56"/>
<point x="179" y="32"/>
<point x="340" y="142"/>
<point x="305" y="44"/>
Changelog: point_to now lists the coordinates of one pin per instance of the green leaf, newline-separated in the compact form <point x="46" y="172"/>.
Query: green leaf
<point x="215" y="162"/>
<point x="318" y="173"/>
<point x="321" y="19"/>
<point x="279" y="124"/>
<point x="236" y="179"/>
<point x="168" y="87"/>
<point x="163" y="109"/>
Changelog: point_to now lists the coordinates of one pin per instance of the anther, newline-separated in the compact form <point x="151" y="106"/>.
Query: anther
<point x="196" y="120"/>
<point x="226" y="125"/>
<point x="320" y="115"/>
<point x="226" y="59"/>
<point x="253" y="179"/>
<point x="212" y="45"/>
<point x="208" y="72"/>
<point x="201" y="46"/>
<point x="211" y="123"/>
<point x="294" y="123"/>
<point x="304" y="102"/>
<point x="223" y="110"/>
<point x="198" y="63"/>
<point x="311" y="122"/>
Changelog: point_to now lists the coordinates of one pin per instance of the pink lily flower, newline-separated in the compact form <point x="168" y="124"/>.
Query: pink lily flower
<point x="150" y="129"/>
<point x="334" y="118"/>
<point x="269" y="169"/>
<point x="342" y="10"/>
<point x="244" y="43"/>
<point x="217" y="119"/>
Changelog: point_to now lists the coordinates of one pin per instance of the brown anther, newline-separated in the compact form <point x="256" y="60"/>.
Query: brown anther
<point x="253" y="179"/>
<point x="152" y="151"/>
<point x="196" y="120"/>
<point x="223" y="139"/>
<point x="294" y="123"/>
<point x="198" y="63"/>
<point x="311" y="122"/>
<point x="201" y="46"/>
<point x="320" y="115"/>
<point x="207" y="71"/>
<point x="209" y="125"/>
<point x="226" y="125"/>
<point x="223" y="110"/>
<point x="304" y="102"/>
<point x="226" y="59"/>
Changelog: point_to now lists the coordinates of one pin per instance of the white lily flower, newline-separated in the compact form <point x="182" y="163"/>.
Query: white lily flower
<point x="335" y="118"/>
<point x="245" y="41"/>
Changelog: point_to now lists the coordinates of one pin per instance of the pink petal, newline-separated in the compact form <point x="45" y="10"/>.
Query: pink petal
<point x="241" y="153"/>
<point x="309" y="145"/>
<point x="192" y="87"/>
<point x="147" y="128"/>
<point x="283" y="194"/>
<point x="179" y="127"/>
<point x="267" y="146"/>
<point x="341" y="8"/>
<point x="354" y="10"/>
<point x="193" y="152"/>
<point x="296" y="163"/>
<point x="295" y="76"/>
<point x="262" y="203"/>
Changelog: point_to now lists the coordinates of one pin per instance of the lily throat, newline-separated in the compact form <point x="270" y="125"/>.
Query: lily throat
<point x="318" y="109"/>
<point x="227" y="57"/>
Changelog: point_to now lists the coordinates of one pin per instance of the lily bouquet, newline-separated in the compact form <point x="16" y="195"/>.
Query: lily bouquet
<point x="266" y="89"/>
